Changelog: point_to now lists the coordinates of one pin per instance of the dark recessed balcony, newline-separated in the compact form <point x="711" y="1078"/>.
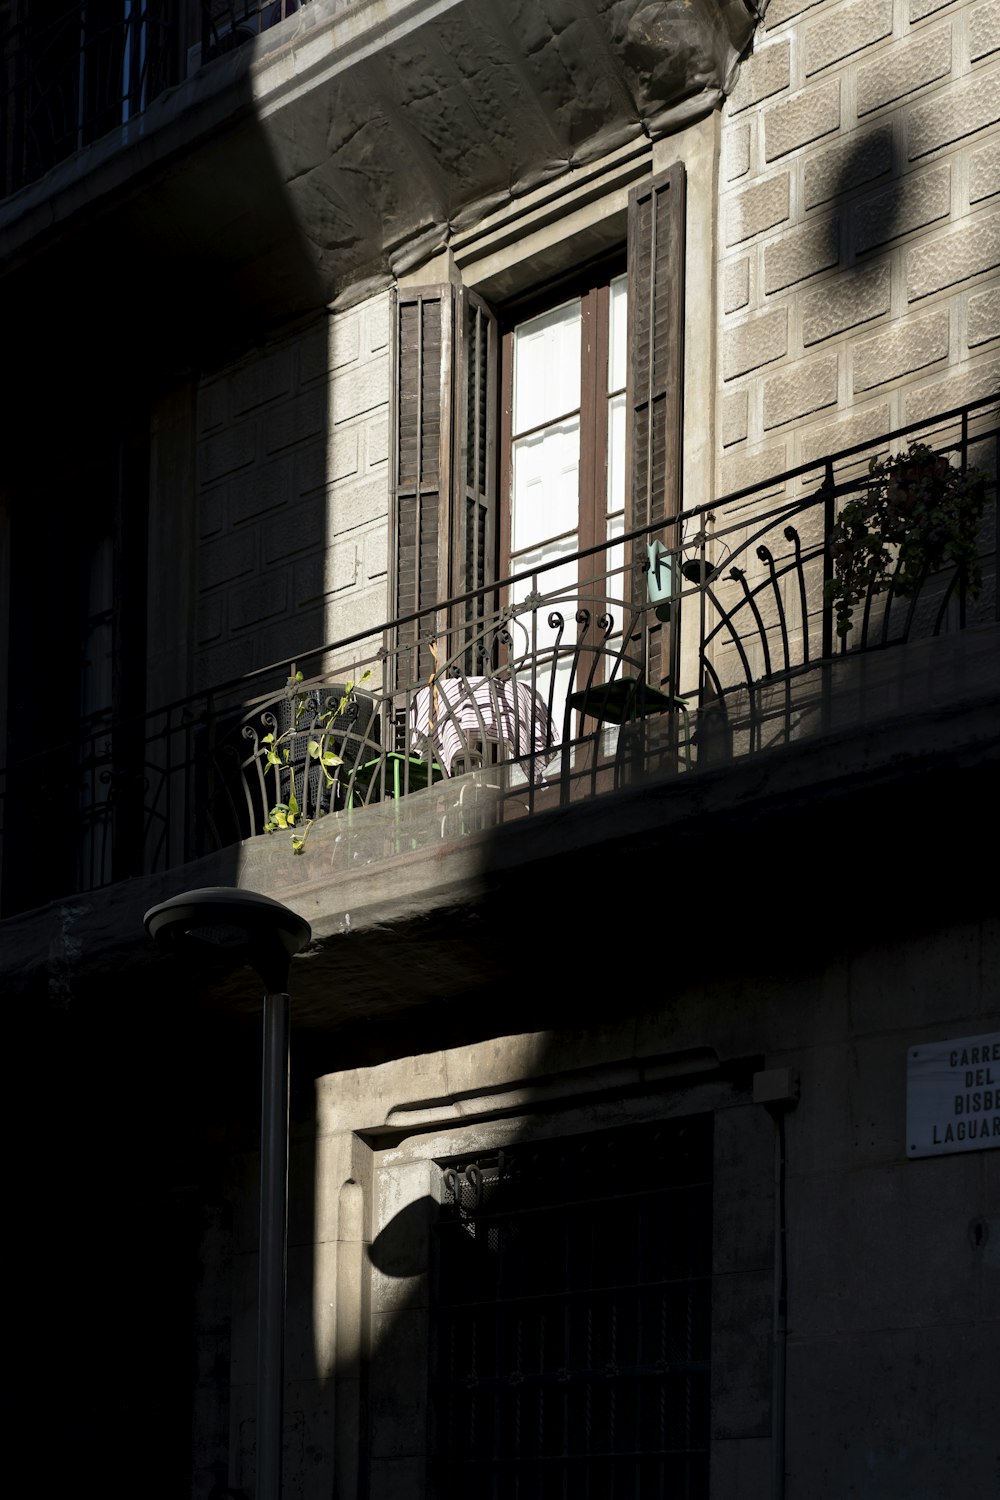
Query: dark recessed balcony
<point x="73" y="73"/>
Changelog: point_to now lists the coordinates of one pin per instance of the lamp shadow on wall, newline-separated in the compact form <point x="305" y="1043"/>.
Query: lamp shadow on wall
<point x="872" y="199"/>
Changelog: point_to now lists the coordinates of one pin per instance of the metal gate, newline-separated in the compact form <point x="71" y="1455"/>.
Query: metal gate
<point x="571" y="1323"/>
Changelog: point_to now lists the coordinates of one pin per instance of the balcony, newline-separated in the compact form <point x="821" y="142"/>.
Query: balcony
<point x="72" y="77"/>
<point x="661" y="657"/>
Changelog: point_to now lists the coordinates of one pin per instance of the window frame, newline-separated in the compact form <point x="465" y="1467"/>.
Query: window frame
<point x="590" y="284"/>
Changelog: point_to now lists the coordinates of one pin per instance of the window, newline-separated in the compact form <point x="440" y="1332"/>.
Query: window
<point x="571" y="1319"/>
<point x="591" y="396"/>
<point x="563" y="404"/>
<point x="562" y="465"/>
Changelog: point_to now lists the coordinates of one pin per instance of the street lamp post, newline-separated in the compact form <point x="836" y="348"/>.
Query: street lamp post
<point x="241" y="927"/>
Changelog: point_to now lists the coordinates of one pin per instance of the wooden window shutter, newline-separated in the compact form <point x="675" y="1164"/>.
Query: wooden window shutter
<point x="655" y="397"/>
<point x="445" y="481"/>
<point x="423" y="458"/>
<point x="656" y="341"/>
<point x="474" y="515"/>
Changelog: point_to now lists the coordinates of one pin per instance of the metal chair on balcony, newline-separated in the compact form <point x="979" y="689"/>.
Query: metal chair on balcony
<point x="462" y="719"/>
<point x="351" y="729"/>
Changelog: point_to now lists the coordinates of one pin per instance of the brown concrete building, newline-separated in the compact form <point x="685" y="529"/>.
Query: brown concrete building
<point x="433" y="432"/>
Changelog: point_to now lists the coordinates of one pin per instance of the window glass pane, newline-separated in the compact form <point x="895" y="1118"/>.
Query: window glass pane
<point x="533" y="635"/>
<point x="560" y="581"/>
<point x="546" y="484"/>
<point x="547" y="367"/>
<point x="616" y="454"/>
<point x="616" y="573"/>
<point x="617" y="346"/>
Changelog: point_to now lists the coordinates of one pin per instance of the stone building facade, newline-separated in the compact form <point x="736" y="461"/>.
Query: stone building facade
<point x="859" y="241"/>
<point x="293" y="446"/>
<point x="605" y="1062"/>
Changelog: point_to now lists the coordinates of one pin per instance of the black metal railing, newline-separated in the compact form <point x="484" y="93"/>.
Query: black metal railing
<point x="71" y="73"/>
<point x="772" y="664"/>
<point x="548" y="699"/>
<point x="227" y="24"/>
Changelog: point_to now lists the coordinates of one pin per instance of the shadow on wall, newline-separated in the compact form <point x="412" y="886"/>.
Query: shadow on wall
<point x="861" y="198"/>
<point x="130" y="1101"/>
<point x="750" y="967"/>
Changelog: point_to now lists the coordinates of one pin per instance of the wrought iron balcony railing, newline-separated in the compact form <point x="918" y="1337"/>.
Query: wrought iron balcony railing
<point x="711" y="638"/>
<point x="71" y="73"/>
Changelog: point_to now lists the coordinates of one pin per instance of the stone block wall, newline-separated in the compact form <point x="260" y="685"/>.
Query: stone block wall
<point x="293" y="496"/>
<point x="891" y="1336"/>
<point x="859" y="283"/>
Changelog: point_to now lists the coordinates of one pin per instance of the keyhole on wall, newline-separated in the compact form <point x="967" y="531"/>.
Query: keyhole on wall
<point x="979" y="1231"/>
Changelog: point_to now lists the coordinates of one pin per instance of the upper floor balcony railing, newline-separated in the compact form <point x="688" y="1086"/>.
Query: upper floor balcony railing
<point x="710" y="638"/>
<point x="71" y="73"/>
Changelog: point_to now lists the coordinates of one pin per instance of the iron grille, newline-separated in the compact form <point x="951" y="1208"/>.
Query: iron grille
<point x="572" y="1319"/>
<point x="73" y="72"/>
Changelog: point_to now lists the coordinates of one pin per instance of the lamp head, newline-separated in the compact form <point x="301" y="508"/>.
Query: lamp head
<point x="221" y="925"/>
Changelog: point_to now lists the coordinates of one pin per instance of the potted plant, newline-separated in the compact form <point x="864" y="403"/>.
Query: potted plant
<point x="915" y="515"/>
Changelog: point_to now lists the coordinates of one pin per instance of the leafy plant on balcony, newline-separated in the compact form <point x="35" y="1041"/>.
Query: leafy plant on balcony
<point x="915" y="515"/>
<point x="277" y="754"/>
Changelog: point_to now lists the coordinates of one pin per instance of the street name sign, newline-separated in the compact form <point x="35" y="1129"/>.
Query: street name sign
<point x="953" y="1096"/>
